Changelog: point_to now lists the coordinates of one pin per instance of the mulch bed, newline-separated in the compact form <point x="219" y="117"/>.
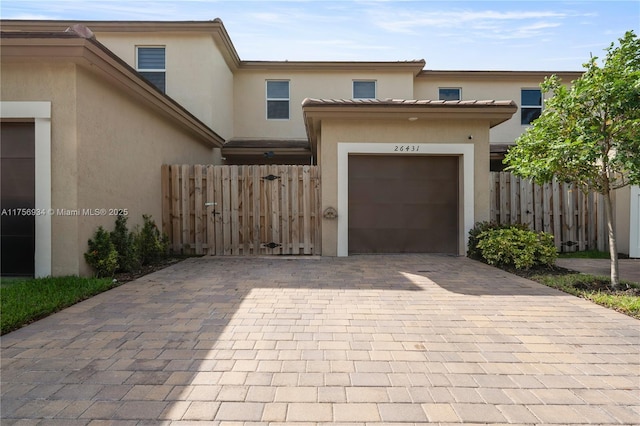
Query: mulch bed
<point x="124" y="277"/>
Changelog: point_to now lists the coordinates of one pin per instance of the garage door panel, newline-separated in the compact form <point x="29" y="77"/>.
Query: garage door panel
<point x="403" y="204"/>
<point x="17" y="255"/>
<point x="18" y="174"/>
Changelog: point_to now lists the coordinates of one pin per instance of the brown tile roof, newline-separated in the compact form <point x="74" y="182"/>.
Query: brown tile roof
<point x="404" y="102"/>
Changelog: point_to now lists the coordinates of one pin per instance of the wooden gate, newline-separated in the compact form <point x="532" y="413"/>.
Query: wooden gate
<point x="242" y="210"/>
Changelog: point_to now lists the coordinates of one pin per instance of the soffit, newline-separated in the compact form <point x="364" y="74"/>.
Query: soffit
<point x="415" y="66"/>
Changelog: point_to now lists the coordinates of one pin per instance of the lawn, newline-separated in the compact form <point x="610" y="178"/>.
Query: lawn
<point x="594" y="288"/>
<point x="23" y="301"/>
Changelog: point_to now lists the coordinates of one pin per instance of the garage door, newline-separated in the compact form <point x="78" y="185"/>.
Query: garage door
<point x="403" y="204"/>
<point x="17" y="156"/>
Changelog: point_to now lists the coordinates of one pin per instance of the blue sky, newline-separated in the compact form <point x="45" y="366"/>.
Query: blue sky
<point x="449" y="35"/>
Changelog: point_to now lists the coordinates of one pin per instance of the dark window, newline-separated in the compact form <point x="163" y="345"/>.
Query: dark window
<point x="277" y="99"/>
<point x="151" y="64"/>
<point x="364" y="90"/>
<point x="530" y="105"/>
<point x="449" y="94"/>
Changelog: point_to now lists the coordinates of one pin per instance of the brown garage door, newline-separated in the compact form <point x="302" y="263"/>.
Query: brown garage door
<point x="403" y="204"/>
<point x="17" y="174"/>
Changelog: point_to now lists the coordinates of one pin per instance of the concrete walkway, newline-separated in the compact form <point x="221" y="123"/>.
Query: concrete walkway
<point x="368" y="339"/>
<point x="629" y="269"/>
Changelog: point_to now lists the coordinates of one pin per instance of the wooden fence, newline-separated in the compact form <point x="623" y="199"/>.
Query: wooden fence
<point x="575" y="219"/>
<point x="241" y="210"/>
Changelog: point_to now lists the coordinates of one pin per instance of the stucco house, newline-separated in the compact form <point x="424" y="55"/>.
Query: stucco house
<point x="106" y="103"/>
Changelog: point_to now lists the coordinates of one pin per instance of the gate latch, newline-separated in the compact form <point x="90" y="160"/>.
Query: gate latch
<point x="271" y="177"/>
<point x="271" y="245"/>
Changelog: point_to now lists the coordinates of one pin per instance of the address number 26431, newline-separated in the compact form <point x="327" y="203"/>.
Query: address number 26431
<point x="406" y="148"/>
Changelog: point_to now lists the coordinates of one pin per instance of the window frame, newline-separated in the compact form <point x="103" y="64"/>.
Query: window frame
<point x="459" y="89"/>
<point x="530" y="107"/>
<point x="353" y="89"/>
<point x="270" y="99"/>
<point x="162" y="71"/>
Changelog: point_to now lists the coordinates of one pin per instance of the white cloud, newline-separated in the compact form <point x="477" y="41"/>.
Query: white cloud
<point x="406" y="22"/>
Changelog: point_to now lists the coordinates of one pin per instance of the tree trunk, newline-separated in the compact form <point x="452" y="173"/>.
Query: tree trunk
<point x="613" y="248"/>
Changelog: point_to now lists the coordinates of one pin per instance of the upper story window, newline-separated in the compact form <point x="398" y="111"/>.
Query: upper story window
<point x="277" y="99"/>
<point x="530" y="105"/>
<point x="151" y="63"/>
<point x="449" y="93"/>
<point x="364" y="89"/>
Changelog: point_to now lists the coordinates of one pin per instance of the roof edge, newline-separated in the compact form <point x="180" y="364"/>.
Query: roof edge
<point x="480" y="74"/>
<point x="416" y="66"/>
<point x="404" y="103"/>
<point x="215" y="27"/>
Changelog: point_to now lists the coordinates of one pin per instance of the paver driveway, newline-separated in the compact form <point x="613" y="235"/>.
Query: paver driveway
<point x="408" y="338"/>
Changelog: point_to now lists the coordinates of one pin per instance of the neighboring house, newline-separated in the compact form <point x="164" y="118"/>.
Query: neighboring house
<point x="350" y="118"/>
<point x="83" y="138"/>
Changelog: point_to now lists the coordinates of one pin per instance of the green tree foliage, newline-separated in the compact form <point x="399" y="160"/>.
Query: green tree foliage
<point x="589" y="133"/>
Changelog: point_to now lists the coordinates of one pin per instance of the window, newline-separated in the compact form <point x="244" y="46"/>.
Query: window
<point x="364" y="90"/>
<point x="277" y="99"/>
<point x="530" y="105"/>
<point x="449" y="93"/>
<point x="151" y="64"/>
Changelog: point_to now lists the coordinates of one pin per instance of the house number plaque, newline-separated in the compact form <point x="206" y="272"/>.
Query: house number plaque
<point x="406" y="148"/>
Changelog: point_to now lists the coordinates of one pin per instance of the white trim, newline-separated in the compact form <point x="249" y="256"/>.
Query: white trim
<point x="344" y="149"/>
<point x="634" y="224"/>
<point x="353" y="89"/>
<point x="459" y="89"/>
<point x="163" y="69"/>
<point x="267" y="99"/>
<point x="523" y="106"/>
<point x="40" y="112"/>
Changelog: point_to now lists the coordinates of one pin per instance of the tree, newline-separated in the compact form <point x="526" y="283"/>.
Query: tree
<point x="589" y="133"/>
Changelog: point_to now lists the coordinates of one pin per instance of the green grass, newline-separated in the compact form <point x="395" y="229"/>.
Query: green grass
<point x="23" y="301"/>
<point x="596" y="289"/>
<point x="587" y="254"/>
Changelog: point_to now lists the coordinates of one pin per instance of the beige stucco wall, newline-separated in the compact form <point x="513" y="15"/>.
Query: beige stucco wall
<point x="250" y="97"/>
<point x="197" y="76"/>
<point x="483" y="89"/>
<point x="335" y="131"/>
<point x="106" y="152"/>
<point x="55" y="83"/>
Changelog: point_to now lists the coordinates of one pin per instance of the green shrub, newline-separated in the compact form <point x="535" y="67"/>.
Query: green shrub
<point x="125" y="244"/>
<point x="102" y="255"/>
<point x="152" y="245"/>
<point x="516" y="247"/>
<point x="480" y="227"/>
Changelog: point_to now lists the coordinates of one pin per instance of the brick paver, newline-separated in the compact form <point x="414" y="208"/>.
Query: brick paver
<point x="407" y="339"/>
